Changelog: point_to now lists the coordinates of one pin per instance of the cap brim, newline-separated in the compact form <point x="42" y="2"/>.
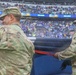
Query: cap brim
<point x="2" y="16"/>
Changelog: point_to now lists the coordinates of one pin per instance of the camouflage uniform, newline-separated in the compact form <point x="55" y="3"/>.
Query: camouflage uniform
<point x="16" y="51"/>
<point x="70" y="52"/>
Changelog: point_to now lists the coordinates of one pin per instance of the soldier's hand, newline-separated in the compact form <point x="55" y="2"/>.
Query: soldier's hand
<point x="65" y="63"/>
<point x="56" y="55"/>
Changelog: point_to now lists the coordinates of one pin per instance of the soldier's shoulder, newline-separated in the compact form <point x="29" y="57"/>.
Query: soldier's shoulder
<point x="8" y="28"/>
<point x="5" y="26"/>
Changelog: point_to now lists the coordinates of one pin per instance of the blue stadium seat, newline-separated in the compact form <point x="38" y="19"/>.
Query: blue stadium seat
<point x="48" y="65"/>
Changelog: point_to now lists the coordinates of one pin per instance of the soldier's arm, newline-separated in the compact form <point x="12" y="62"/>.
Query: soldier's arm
<point x="69" y="52"/>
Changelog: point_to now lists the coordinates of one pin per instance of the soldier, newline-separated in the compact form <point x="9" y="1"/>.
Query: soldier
<point x="16" y="50"/>
<point x="69" y="53"/>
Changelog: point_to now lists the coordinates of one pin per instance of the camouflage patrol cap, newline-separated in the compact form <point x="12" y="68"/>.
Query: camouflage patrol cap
<point x="11" y="10"/>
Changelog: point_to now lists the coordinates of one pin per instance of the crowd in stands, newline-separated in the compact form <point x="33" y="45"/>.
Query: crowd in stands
<point x="51" y="29"/>
<point x="42" y="9"/>
<point x="40" y="28"/>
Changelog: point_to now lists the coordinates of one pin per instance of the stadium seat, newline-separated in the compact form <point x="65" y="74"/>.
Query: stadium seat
<point x="48" y="65"/>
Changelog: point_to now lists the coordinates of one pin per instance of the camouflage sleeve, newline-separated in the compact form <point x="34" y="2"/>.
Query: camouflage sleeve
<point x="70" y="51"/>
<point x="1" y="32"/>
